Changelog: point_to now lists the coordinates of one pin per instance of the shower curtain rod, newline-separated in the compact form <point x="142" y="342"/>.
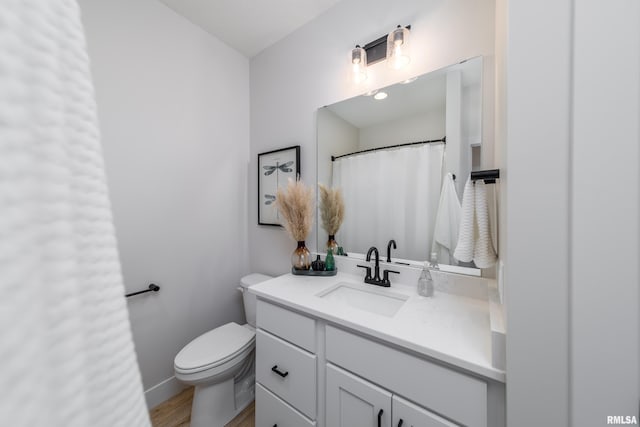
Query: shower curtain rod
<point x="443" y="140"/>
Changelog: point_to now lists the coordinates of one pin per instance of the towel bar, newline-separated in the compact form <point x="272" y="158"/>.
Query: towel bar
<point x="489" y="176"/>
<point x="152" y="288"/>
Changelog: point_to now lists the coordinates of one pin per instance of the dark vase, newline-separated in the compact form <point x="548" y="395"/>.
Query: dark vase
<point x="318" y="264"/>
<point x="301" y="257"/>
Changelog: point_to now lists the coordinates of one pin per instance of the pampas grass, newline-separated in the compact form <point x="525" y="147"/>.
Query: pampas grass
<point x="331" y="209"/>
<point x="295" y="205"/>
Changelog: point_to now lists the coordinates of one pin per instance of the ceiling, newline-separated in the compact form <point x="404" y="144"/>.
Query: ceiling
<point x="250" y="26"/>
<point x="403" y="100"/>
<point x="427" y="93"/>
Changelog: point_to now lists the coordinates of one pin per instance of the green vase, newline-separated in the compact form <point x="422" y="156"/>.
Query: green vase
<point x="329" y="262"/>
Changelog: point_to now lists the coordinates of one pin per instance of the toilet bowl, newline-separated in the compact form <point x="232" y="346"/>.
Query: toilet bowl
<point x="220" y="364"/>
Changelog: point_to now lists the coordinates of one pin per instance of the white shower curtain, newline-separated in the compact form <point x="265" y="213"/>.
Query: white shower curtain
<point x="66" y="352"/>
<point x="390" y="194"/>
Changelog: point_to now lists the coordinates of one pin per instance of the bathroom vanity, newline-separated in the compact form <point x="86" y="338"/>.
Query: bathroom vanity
<point x="335" y="352"/>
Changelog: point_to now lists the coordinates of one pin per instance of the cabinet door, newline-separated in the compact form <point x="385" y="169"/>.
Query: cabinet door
<point x="406" y="414"/>
<point x="354" y="402"/>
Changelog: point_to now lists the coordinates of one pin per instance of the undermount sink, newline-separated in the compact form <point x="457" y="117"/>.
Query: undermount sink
<point x="382" y="302"/>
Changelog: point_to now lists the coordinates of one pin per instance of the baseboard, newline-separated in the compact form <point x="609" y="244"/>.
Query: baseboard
<point x="163" y="391"/>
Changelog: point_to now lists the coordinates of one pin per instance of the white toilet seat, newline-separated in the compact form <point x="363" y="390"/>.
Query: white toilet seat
<point x="214" y="353"/>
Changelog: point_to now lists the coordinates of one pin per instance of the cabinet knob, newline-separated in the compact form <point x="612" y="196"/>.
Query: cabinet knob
<point x="400" y="423"/>
<point x="380" y="412"/>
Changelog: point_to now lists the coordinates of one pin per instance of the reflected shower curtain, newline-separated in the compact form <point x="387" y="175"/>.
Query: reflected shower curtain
<point x="66" y="353"/>
<point x="390" y="194"/>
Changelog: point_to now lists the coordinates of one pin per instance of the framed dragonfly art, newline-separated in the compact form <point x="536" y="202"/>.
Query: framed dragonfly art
<point x="274" y="170"/>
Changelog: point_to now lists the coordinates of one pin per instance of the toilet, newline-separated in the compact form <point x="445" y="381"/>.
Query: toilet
<point x="220" y="364"/>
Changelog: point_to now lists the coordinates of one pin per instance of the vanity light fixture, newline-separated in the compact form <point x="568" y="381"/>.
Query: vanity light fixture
<point x="359" y="64"/>
<point x="394" y="47"/>
<point x="398" y="48"/>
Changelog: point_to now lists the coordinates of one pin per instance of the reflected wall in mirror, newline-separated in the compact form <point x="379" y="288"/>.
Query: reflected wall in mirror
<point x="392" y="186"/>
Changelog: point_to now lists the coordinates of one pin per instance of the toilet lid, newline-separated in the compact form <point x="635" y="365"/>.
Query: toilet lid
<point x="215" y="347"/>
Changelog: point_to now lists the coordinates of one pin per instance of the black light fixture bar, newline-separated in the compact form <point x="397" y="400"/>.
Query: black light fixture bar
<point x="377" y="49"/>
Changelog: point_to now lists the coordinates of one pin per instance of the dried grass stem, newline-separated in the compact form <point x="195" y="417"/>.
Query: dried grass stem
<point x="295" y="205"/>
<point x="331" y="209"/>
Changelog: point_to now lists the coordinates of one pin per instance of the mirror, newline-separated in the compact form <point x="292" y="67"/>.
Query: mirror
<point x="390" y="155"/>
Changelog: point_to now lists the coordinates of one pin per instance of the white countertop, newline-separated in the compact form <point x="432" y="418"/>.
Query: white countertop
<point x="451" y="328"/>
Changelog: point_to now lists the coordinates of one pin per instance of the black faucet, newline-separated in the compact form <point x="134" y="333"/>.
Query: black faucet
<point x="376" y="280"/>
<point x="373" y="249"/>
<point x="391" y="242"/>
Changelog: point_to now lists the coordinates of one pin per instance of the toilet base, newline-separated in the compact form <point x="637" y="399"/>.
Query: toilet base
<point x="214" y="405"/>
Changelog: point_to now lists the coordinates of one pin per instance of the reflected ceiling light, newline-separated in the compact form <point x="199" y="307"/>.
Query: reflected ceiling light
<point x="359" y="64"/>
<point x="398" y="48"/>
<point x="411" y="80"/>
<point x="380" y="95"/>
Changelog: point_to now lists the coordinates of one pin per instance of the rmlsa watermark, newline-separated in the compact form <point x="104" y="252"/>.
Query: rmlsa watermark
<point x="622" y="419"/>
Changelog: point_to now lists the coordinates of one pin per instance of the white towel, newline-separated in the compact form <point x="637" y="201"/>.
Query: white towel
<point x="474" y="241"/>
<point x="67" y="356"/>
<point x="466" y="235"/>
<point x="484" y="256"/>
<point x="445" y="235"/>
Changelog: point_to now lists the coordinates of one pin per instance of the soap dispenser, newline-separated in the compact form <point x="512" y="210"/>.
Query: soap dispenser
<point x="425" y="282"/>
<point x="433" y="264"/>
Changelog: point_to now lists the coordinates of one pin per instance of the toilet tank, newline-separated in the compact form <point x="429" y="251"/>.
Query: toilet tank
<point x="248" y="298"/>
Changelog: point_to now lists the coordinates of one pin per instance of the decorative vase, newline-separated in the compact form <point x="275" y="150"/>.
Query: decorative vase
<point x="329" y="262"/>
<point x="301" y="257"/>
<point x="332" y="244"/>
<point x="318" y="264"/>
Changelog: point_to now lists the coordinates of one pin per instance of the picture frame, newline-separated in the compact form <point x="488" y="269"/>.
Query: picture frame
<point x="274" y="169"/>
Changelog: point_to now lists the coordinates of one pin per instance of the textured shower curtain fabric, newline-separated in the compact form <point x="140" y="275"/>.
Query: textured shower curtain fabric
<point x="66" y="351"/>
<point x="390" y="194"/>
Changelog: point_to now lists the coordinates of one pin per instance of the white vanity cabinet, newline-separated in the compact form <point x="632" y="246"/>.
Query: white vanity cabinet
<point x="286" y="368"/>
<point x="313" y="372"/>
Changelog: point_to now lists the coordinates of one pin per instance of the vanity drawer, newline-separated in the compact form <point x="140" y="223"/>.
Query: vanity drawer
<point x="293" y="327"/>
<point x="455" y="395"/>
<point x="287" y="371"/>
<point x="271" y="411"/>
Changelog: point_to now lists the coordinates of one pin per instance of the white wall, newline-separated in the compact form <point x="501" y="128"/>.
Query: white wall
<point x="173" y="105"/>
<point x="570" y="181"/>
<point x="418" y="127"/>
<point x="537" y="201"/>
<point x="310" y="68"/>
<point x="471" y="118"/>
<point x="604" y="211"/>
<point x="338" y="137"/>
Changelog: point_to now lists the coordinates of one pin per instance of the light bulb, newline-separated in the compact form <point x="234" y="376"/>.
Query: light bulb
<point x="398" y="48"/>
<point x="359" y="64"/>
